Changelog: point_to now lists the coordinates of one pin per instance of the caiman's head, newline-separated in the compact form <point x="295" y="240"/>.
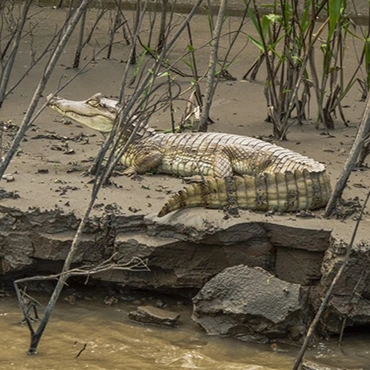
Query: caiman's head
<point x="96" y="112"/>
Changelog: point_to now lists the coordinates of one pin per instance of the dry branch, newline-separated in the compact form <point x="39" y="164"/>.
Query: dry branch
<point x="135" y="264"/>
<point x="213" y="58"/>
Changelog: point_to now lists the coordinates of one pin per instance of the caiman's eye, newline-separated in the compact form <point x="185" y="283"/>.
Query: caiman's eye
<point x="93" y="102"/>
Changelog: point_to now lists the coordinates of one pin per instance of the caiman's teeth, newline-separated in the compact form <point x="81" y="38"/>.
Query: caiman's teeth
<point x="271" y="177"/>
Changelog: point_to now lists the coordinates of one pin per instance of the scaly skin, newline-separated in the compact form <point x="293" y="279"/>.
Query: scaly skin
<point x="286" y="192"/>
<point x="289" y="180"/>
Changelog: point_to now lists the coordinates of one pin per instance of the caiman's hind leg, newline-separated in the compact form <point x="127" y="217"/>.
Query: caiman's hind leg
<point x="220" y="167"/>
<point x="144" y="162"/>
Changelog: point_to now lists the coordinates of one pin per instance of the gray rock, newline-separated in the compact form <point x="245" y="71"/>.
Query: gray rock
<point x="351" y="294"/>
<point x="154" y="316"/>
<point x="252" y="305"/>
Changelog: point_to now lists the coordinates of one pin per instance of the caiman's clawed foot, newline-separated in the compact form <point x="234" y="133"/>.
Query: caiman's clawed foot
<point x="131" y="172"/>
<point x="137" y="177"/>
<point x="86" y="173"/>
<point x="91" y="171"/>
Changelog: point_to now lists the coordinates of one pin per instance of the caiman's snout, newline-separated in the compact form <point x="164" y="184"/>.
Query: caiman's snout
<point x="51" y="98"/>
<point x="97" y="112"/>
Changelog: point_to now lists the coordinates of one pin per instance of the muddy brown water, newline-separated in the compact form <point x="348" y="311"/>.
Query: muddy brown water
<point x="114" y="342"/>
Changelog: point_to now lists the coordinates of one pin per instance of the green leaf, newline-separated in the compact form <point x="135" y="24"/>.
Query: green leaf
<point x="191" y="48"/>
<point x="253" y="18"/>
<point x="139" y="63"/>
<point x="336" y="9"/>
<point x="305" y="20"/>
<point x="273" y="18"/>
<point x="256" y="42"/>
<point x="163" y="74"/>
<point x="190" y="65"/>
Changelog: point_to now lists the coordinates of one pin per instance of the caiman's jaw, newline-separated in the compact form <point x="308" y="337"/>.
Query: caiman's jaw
<point x="96" y="112"/>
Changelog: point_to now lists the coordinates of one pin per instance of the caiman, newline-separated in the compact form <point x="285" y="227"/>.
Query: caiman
<point x="236" y="170"/>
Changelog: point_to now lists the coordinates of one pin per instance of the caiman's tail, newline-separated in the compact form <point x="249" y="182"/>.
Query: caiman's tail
<point x="289" y="191"/>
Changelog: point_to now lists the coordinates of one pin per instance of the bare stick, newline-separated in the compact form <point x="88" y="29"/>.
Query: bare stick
<point x="76" y="62"/>
<point x="114" y="26"/>
<point x="171" y="103"/>
<point x="132" y="60"/>
<point x="351" y="160"/>
<point x="325" y="301"/>
<point x="210" y="86"/>
<point x="41" y="86"/>
<point x="81" y="350"/>
<point x="135" y="264"/>
<point x="194" y="69"/>
<point x="254" y="68"/>
<point x="32" y="65"/>
<point x="162" y="30"/>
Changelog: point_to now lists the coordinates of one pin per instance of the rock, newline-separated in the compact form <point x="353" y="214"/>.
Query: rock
<point x="298" y="238"/>
<point x="252" y="305"/>
<point x="306" y="272"/>
<point x="351" y="295"/>
<point x="8" y="194"/>
<point x="155" y="316"/>
<point x="8" y="178"/>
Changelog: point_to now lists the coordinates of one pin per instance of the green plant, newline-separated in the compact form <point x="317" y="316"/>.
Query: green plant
<point x="288" y="45"/>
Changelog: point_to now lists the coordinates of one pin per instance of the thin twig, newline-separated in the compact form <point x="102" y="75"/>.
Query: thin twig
<point x="81" y="350"/>
<point x="213" y="59"/>
<point x="80" y="44"/>
<point x="351" y="159"/>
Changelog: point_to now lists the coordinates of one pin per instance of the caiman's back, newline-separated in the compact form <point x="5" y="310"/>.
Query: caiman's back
<point x="219" y="155"/>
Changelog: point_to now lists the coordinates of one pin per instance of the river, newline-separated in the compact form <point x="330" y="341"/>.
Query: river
<point x="114" y="342"/>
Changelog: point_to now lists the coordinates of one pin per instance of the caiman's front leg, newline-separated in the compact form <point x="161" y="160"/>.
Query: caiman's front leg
<point x="144" y="162"/>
